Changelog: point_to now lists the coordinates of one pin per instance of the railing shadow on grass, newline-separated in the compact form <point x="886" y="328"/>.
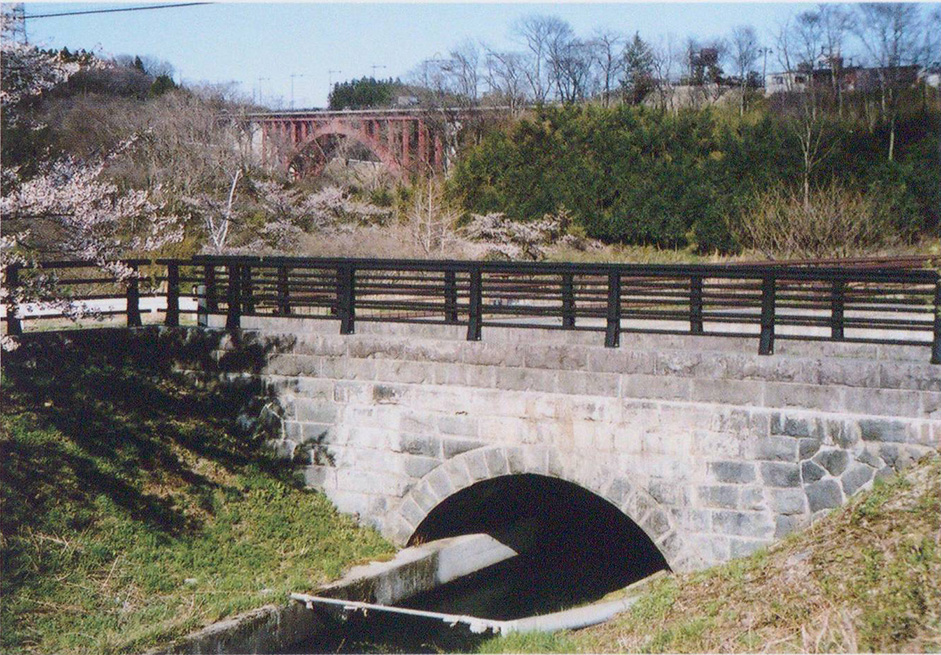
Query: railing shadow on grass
<point x="132" y="404"/>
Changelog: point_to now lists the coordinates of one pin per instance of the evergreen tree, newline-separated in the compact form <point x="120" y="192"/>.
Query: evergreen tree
<point x="161" y="85"/>
<point x="365" y="93"/>
<point x="638" y="78"/>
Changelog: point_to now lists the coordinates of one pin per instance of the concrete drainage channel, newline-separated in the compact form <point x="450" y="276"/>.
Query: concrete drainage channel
<point x="579" y="617"/>
<point x="364" y="601"/>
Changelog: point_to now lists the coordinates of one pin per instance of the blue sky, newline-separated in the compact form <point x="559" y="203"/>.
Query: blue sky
<point x="244" y="42"/>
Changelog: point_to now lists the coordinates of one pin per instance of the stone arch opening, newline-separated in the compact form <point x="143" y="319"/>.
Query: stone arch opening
<point x="574" y="547"/>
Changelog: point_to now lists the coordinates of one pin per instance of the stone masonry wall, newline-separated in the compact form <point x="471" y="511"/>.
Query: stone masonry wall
<point x="713" y="450"/>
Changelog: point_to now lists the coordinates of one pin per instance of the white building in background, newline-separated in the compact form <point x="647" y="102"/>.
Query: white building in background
<point x="785" y="81"/>
<point x="851" y="78"/>
<point x="931" y="77"/>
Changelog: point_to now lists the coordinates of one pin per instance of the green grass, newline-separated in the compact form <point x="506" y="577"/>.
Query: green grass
<point x="138" y="505"/>
<point x="529" y="642"/>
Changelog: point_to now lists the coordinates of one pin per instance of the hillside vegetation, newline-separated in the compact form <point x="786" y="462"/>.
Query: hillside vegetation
<point x="701" y="179"/>
<point x="136" y="505"/>
<point x="865" y="578"/>
<point x="795" y="175"/>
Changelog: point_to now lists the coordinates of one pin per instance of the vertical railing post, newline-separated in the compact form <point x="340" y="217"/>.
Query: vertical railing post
<point x="172" y="318"/>
<point x="766" y="340"/>
<point x="612" y="337"/>
<point x="346" y="298"/>
<point x="837" y="297"/>
<point x="284" y="297"/>
<point x="936" y="343"/>
<point x="568" y="300"/>
<point x="133" y="299"/>
<point x="450" y="297"/>
<point x="233" y="319"/>
<point x="695" y="304"/>
<point x="209" y="275"/>
<point x="14" y="327"/>
<point x="476" y="305"/>
<point x="248" y="298"/>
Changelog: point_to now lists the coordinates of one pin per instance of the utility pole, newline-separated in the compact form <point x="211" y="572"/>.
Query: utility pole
<point x="330" y="83"/>
<point x="764" y="66"/>
<point x="376" y="67"/>
<point x="261" y="95"/>
<point x="293" y="75"/>
<point x="15" y="26"/>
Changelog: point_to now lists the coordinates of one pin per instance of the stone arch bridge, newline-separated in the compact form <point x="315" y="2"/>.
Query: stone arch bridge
<point x="715" y="408"/>
<point x="711" y="449"/>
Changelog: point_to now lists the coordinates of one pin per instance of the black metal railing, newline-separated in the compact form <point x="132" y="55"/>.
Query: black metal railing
<point x="869" y="304"/>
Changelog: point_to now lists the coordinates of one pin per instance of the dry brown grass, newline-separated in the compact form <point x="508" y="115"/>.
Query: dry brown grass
<point x="865" y="578"/>
<point x="830" y="222"/>
<point x="386" y="242"/>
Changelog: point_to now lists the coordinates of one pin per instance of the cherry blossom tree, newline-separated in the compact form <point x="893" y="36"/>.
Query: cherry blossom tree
<point x="66" y="208"/>
<point x="91" y="218"/>
<point x="27" y="72"/>
<point x="217" y="214"/>
<point x="284" y="217"/>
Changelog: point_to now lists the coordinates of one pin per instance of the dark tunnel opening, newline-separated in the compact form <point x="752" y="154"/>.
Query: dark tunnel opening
<point x="574" y="547"/>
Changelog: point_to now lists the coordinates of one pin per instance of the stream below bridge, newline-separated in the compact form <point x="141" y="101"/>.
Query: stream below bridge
<point x="578" y="548"/>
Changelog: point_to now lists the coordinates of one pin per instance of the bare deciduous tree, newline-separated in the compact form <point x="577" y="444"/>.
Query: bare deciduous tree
<point x="193" y="148"/>
<point x="892" y="36"/>
<point x="833" y="222"/>
<point x="664" y="63"/>
<point x="607" y="47"/>
<point x="157" y="67"/>
<point x="807" y="41"/>
<point x="464" y="70"/>
<point x="506" y="77"/>
<point x="571" y="63"/>
<point x="431" y="221"/>
<point x="835" y="22"/>
<point x="796" y="41"/>
<point x="216" y="213"/>
<point x="542" y="35"/>
<point x="744" y="50"/>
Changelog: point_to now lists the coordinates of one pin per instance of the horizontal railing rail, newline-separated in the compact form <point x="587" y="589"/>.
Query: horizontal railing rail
<point x="884" y="302"/>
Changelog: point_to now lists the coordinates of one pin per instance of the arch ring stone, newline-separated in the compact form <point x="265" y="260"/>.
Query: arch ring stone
<point x="468" y="468"/>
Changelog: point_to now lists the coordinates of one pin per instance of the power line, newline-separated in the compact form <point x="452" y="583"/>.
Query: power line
<point x="111" y="11"/>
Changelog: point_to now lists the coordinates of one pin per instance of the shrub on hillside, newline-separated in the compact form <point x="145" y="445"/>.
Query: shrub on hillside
<point x="834" y="222"/>
<point x="628" y="175"/>
<point x="512" y="240"/>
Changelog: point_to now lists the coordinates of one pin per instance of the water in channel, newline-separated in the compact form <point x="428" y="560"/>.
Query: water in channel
<point x="577" y="548"/>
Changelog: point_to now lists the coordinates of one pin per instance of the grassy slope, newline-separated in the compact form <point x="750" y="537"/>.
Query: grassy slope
<point x="865" y="578"/>
<point x="134" y="509"/>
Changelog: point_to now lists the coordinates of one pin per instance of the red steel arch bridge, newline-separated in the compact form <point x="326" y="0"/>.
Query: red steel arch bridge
<point x="406" y="141"/>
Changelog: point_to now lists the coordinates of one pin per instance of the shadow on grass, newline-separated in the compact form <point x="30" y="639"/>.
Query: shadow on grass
<point x="125" y="414"/>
